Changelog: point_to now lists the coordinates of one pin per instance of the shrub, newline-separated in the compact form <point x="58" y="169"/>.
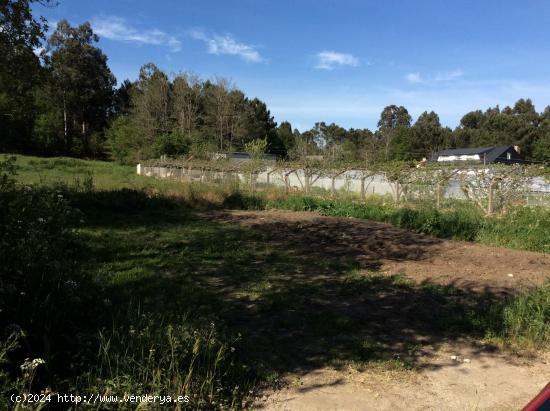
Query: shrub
<point x="171" y="145"/>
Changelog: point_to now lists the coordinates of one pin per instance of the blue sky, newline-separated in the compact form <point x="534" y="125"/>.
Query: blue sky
<point x="336" y="61"/>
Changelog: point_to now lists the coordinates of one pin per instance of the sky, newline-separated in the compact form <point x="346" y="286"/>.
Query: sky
<point x="335" y="61"/>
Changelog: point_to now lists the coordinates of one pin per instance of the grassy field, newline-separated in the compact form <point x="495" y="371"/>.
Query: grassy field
<point x="164" y="296"/>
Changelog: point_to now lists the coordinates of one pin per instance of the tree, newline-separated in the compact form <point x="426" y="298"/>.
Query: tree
<point x="494" y="188"/>
<point x="125" y="142"/>
<point x="187" y="90"/>
<point x="399" y="175"/>
<point x="256" y="150"/>
<point x="392" y="118"/>
<point x="81" y="84"/>
<point x="218" y="109"/>
<point x="20" y="34"/>
<point x="286" y="136"/>
<point x="122" y="97"/>
<point x="427" y="135"/>
<point x="541" y="147"/>
<point x="258" y="123"/>
<point x="150" y="103"/>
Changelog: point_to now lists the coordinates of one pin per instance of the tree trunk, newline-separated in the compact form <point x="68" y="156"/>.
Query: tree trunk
<point x="65" y="131"/>
<point x="363" y="188"/>
<point x="397" y="193"/>
<point x="490" y="200"/>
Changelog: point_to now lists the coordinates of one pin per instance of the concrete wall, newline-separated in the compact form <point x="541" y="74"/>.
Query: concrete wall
<point x="349" y="181"/>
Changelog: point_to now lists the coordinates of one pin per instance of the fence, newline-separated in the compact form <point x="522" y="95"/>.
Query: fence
<point x="350" y="181"/>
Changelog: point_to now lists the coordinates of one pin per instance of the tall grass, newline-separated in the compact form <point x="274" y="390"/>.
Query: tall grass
<point x="145" y="353"/>
<point x="525" y="319"/>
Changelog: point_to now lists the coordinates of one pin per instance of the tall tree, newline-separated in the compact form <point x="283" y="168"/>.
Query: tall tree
<point x="150" y="103"/>
<point x="187" y="90"/>
<point x="427" y="135"/>
<point x="20" y="34"/>
<point x="286" y="136"/>
<point x="392" y="119"/>
<point x="218" y="109"/>
<point x="81" y="84"/>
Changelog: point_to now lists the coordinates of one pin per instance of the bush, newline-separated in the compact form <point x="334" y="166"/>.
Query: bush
<point x="172" y="145"/>
<point x="125" y="142"/>
<point x="40" y="282"/>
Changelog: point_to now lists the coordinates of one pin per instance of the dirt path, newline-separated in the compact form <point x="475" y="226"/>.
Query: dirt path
<point x="452" y="373"/>
<point x="486" y="382"/>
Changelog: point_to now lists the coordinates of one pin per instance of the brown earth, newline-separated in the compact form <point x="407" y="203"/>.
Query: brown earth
<point x="390" y="250"/>
<point x="453" y="372"/>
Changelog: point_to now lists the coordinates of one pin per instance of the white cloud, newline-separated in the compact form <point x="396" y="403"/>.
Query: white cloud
<point x="328" y="60"/>
<point x="226" y="44"/>
<point x="414" y="78"/>
<point x="448" y="75"/>
<point x="116" y="28"/>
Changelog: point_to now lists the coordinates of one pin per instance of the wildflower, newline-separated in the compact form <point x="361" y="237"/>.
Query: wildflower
<point x="29" y="366"/>
<point x="71" y="284"/>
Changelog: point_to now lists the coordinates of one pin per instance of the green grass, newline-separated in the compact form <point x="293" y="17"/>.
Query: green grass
<point x="106" y="175"/>
<point x="172" y="300"/>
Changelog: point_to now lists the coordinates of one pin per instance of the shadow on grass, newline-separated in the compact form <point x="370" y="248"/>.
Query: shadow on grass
<point x="292" y="290"/>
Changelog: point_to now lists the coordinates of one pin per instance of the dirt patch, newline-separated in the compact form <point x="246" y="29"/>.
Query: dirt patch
<point x="484" y="382"/>
<point x="390" y="250"/>
<point x="320" y="324"/>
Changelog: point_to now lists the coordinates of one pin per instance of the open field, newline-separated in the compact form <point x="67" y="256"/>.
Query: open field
<point x="282" y="310"/>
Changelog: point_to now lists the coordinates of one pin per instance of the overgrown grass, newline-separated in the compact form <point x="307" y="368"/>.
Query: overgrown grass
<point x="146" y="295"/>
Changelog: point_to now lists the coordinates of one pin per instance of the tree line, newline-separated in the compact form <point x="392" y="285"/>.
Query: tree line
<point x="65" y="100"/>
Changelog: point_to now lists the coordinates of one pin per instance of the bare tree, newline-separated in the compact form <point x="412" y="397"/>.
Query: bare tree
<point x="494" y="188"/>
<point x="187" y="89"/>
<point x="219" y="108"/>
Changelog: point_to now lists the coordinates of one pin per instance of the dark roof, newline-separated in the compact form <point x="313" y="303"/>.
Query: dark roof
<point x="491" y="153"/>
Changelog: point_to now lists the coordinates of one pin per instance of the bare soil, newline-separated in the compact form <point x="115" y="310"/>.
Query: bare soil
<point x="391" y="250"/>
<point x="451" y="371"/>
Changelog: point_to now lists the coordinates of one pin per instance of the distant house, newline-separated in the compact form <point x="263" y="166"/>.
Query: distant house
<point x="241" y="156"/>
<point x="481" y="155"/>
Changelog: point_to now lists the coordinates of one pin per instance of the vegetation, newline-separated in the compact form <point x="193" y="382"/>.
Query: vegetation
<point x="118" y="285"/>
<point x="66" y="101"/>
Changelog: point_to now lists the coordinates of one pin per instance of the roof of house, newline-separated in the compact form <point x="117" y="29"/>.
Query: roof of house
<point x="491" y="153"/>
